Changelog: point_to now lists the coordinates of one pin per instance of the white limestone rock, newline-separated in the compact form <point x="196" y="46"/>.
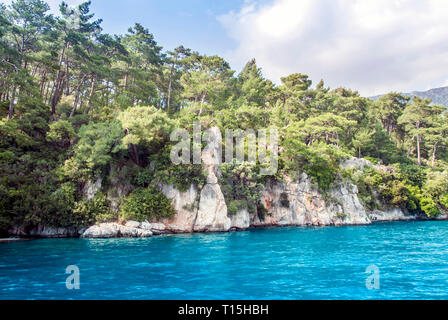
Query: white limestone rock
<point x="212" y="213"/>
<point x="391" y="214"/>
<point x="132" y="224"/>
<point x="297" y="203"/>
<point x="103" y="230"/>
<point x="184" y="204"/>
<point x="114" y="230"/>
<point x="241" y="220"/>
<point x="92" y="188"/>
<point x="358" y="163"/>
<point x="155" y="228"/>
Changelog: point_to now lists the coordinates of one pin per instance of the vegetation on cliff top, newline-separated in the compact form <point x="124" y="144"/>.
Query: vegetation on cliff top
<point x="75" y="101"/>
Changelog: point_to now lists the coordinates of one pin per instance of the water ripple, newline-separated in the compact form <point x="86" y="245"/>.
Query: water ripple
<point x="282" y="263"/>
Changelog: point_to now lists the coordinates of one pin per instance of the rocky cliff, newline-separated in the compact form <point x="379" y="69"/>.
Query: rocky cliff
<point x="291" y="202"/>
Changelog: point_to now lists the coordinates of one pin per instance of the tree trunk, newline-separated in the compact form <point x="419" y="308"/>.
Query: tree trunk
<point x="135" y="154"/>
<point x="67" y="78"/>
<point x="42" y="84"/>
<point x="202" y="103"/>
<point x="92" y="90"/>
<point x="75" y="104"/>
<point x="134" y="151"/>
<point x="54" y="100"/>
<point x="126" y="81"/>
<point x="47" y="92"/>
<point x="11" y="103"/>
<point x="434" y="154"/>
<point x="34" y="71"/>
<point x="419" y="159"/>
<point x="168" y="100"/>
<point x="2" y="85"/>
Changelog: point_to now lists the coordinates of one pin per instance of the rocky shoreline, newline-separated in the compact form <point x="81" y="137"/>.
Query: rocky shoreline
<point x="291" y="202"/>
<point x="133" y="229"/>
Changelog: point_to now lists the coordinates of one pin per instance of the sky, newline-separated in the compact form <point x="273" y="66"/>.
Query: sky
<point x="370" y="46"/>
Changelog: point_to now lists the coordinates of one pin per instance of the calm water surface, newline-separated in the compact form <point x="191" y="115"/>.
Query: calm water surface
<point x="281" y="263"/>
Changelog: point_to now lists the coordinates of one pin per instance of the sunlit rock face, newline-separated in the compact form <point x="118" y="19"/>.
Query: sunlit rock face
<point x="212" y="213"/>
<point x="116" y="230"/>
<point x="206" y="211"/>
<point x="391" y="214"/>
<point x="241" y="220"/>
<point x="184" y="204"/>
<point x="298" y="203"/>
<point x="291" y="202"/>
<point x="91" y="188"/>
<point x="356" y="163"/>
<point x="288" y="203"/>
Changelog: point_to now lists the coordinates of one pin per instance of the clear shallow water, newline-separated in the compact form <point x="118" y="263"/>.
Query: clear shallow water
<point x="280" y="263"/>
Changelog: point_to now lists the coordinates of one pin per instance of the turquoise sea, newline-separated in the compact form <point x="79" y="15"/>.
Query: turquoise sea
<point x="278" y="263"/>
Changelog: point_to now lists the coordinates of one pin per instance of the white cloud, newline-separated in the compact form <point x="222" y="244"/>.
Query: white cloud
<point x="371" y="46"/>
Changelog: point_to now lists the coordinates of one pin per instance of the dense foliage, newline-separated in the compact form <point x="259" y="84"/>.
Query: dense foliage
<point x="76" y="102"/>
<point x="241" y="186"/>
<point x="146" y="204"/>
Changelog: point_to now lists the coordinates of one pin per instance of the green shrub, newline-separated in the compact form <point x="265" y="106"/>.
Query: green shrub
<point x="373" y="160"/>
<point x="398" y="194"/>
<point x="444" y="201"/>
<point x="437" y="184"/>
<point x="232" y="209"/>
<point x="411" y="174"/>
<point x="146" y="204"/>
<point x="162" y="170"/>
<point x="390" y="188"/>
<point x="319" y="161"/>
<point x="61" y="132"/>
<point x="429" y="207"/>
<point x="183" y="176"/>
<point x="341" y="215"/>
<point x="63" y="209"/>
<point x="98" y="144"/>
<point x="366" y="186"/>
<point x="237" y="205"/>
<point x="144" y="177"/>
<point x="95" y="210"/>
<point x="241" y="184"/>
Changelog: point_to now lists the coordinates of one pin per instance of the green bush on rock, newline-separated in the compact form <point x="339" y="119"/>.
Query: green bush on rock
<point x="241" y="186"/>
<point x="146" y="204"/>
<point x="95" y="210"/>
